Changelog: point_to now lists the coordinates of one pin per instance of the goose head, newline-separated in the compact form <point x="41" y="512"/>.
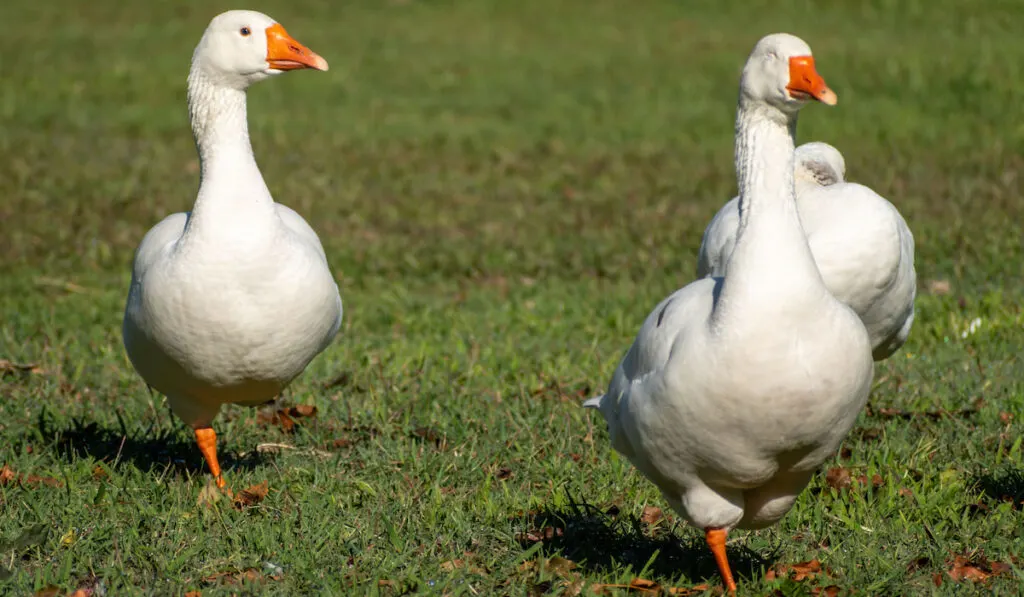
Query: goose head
<point x="821" y="163"/>
<point x="780" y="72"/>
<point x="241" y="47"/>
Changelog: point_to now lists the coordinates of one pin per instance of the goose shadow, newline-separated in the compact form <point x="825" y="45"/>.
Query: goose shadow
<point x="600" y="540"/>
<point x="161" y="449"/>
<point x="1003" y="485"/>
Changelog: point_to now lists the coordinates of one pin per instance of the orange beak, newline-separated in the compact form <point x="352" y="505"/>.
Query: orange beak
<point x="284" y="53"/>
<point x="806" y="83"/>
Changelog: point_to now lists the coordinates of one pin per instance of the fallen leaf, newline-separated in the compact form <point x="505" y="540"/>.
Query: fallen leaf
<point x="651" y="515"/>
<point x="9" y="477"/>
<point x="193" y="594"/>
<point x="459" y="563"/>
<point x="235" y="577"/>
<point x="285" y="418"/>
<point x="10" y="368"/>
<point x="47" y="591"/>
<point x="876" y="480"/>
<point x="451" y="565"/>
<point x="796" y="572"/>
<point x="644" y="585"/>
<point x="906" y="492"/>
<point x="938" y="287"/>
<point x="504" y="473"/>
<point x="33" y="480"/>
<point x="542" y="534"/>
<point x="976" y="569"/>
<point x="302" y="410"/>
<point x="829" y="591"/>
<point x="251" y="496"/>
<point x="841" y="478"/>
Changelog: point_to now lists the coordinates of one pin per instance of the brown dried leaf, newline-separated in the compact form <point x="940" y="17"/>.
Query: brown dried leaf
<point x="796" y="572"/>
<point x="642" y="584"/>
<point x="193" y="594"/>
<point x="504" y="473"/>
<point x="251" y="496"/>
<point x="976" y="569"/>
<point x="651" y="515"/>
<point x="285" y="418"/>
<point x="542" y="534"/>
<point x="839" y="478"/>
<point x="237" y="577"/>
<point x="876" y="480"/>
<point x="829" y="591"/>
<point x="9" y="477"/>
<point x="304" y="411"/>
<point x="10" y="368"/>
<point x="938" y="287"/>
<point x="33" y="480"/>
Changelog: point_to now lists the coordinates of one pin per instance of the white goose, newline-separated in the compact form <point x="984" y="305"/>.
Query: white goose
<point x="860" y="242"/>
<point x="737" y="388"/>
<point x="229" y="302"/>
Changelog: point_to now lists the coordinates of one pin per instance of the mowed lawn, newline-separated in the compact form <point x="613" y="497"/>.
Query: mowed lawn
<point x="504" y="191"/>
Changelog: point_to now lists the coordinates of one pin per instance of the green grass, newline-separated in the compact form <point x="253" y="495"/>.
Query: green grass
<point x="504" y="190"/>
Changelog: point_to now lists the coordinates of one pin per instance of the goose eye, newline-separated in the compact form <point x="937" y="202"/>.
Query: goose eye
<point x="245" y="31"/>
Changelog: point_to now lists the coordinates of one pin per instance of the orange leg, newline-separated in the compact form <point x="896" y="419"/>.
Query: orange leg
<point x="716" y="541"/>
<point x="206" y="437"/>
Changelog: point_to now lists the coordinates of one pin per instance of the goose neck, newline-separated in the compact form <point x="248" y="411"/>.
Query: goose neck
<point x="771" y="266"/>
<point x="232" y="194"/>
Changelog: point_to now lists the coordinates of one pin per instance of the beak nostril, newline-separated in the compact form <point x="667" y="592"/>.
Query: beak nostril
<point x="295" y="49"/>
